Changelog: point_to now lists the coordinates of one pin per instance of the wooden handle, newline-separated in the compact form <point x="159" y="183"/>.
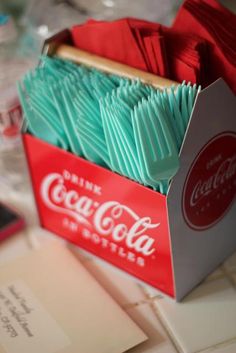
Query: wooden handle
<point x="109" y="66"/>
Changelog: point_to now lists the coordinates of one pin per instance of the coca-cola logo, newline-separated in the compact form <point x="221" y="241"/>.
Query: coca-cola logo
<point x="210" y="186"/>
<point x="107" y="219"/>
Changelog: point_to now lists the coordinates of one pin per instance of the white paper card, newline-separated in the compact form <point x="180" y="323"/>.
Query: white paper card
<point x="49" y="303"/>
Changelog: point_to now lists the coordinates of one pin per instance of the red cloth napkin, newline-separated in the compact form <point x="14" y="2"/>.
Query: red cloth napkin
<point x="217" y="25"/>
<point x="113" y="40"/>
<point x="144" y="45"/>
<point x="187" y="56"/>
<point x="130" y="41"/>
<point x="149" y="37"/>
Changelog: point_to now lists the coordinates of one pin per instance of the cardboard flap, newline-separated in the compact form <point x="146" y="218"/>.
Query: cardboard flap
<point x="200" y="199"/>
<point x="214" y="112"/>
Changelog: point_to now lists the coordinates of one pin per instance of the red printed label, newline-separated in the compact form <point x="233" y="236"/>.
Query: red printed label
<point x="106" y="214"/>
<point x="210" y="186"/>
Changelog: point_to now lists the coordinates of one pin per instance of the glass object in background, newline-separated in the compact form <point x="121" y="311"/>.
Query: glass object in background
<point x="12" y="67"/>
<point x="153" y="10"/>
<point x="50" y="16"/>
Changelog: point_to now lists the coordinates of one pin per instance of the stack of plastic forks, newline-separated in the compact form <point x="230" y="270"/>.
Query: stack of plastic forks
<point x="131" y="128"/>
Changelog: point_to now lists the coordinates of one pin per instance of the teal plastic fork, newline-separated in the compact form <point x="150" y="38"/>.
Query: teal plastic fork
<point x="66" y="114"/>
<point x="37" y="126"/>
<point x="159" y="185"/>
<point x="153" y="136"/>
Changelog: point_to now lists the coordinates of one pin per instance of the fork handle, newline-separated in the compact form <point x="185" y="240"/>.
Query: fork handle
<point x="109" y="66"/>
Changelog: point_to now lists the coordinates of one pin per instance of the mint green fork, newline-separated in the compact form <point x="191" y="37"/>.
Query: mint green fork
<point x="66" y="113"/>
<point x="93" y="146"/>
<point x="118" y="160"/>
<point x="157" y="149"/>
<point x="159" y="185"/>
<point x="37" y="125"/>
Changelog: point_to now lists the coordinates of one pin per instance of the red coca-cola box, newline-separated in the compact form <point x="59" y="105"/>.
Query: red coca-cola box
<point x="170" y="242"/>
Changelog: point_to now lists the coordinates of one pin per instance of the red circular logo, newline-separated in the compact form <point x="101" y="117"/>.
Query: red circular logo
<point x="210" y="186"/>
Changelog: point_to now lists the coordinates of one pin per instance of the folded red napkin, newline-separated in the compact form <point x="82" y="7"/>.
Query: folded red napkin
<point x="150" y="39"/>
<point x="144" y="45"/>
<point x="130" y="41"/>
<point x="217" y="25"/>
<point x="113" y="40"/>
<point x="187" y="56"/>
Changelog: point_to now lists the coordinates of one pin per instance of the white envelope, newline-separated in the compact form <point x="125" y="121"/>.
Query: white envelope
<point x="49" y="303"/>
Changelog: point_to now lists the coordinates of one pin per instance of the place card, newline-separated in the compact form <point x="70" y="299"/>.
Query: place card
<point x="50" y="303"/>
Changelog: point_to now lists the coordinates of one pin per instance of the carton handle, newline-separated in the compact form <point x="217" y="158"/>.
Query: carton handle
<point x="109" y="66"/>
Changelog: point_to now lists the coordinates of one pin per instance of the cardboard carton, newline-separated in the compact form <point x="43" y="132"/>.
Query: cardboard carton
<point x="170" y="242"/>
